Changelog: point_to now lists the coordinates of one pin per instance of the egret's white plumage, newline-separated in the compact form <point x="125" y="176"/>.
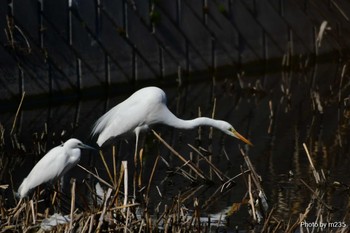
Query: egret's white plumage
<point x="53" y="165"/>
<point x="144" y="108"/>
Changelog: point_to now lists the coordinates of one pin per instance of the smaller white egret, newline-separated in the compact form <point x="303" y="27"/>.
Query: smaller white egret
<point x="147" y="107"/>
<point x="53" y="165"/>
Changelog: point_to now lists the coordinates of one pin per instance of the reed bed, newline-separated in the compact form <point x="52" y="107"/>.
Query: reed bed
<point x="111" y="207"/>
<point x="108" y="203"/>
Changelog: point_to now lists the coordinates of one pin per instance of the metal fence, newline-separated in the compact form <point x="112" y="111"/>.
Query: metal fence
<point x="49" y="47"/>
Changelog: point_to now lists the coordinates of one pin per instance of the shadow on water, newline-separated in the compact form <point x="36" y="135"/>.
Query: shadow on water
<point x="278" y="112"/>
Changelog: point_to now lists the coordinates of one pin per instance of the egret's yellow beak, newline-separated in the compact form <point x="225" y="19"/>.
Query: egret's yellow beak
<point x="240" y="137"/>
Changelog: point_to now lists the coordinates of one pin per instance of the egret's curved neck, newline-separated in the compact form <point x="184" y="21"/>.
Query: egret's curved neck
<point x="176" y="122"/>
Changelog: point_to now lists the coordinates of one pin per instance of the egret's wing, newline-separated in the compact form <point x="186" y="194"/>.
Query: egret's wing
<point x="48" y="168"/>
<point x="121" y="119"/>
<point x="143" y="108"/>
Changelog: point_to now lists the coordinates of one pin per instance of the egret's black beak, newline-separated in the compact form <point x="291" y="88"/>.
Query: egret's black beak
<point x="84" y="146"/>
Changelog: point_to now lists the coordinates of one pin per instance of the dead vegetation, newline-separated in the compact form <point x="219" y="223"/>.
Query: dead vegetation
<point x="111" y="207"/>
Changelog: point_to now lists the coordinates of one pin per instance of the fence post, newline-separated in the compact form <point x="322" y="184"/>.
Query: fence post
<point x="70" y="33"/>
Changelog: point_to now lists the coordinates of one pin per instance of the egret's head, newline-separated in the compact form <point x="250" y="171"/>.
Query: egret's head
<point x="228" y="129"/>
<point x="74" y="143"/>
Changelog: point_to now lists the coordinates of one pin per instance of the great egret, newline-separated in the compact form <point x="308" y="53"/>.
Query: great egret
<point x="147" y="107"/>
<point x="53" y="165"/>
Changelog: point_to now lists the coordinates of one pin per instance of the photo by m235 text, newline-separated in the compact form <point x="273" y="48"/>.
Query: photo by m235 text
<point x="323" y="224"/>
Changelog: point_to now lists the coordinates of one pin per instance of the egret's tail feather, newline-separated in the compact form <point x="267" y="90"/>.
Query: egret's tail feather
<point x="101" y="124"/>
<point x="103" y="121"/>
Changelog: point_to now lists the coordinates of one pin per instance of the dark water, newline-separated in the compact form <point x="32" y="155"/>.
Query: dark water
<point x="278" y="112"/>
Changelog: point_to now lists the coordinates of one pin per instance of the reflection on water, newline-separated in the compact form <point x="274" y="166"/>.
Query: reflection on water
<point x="277" y="112"/>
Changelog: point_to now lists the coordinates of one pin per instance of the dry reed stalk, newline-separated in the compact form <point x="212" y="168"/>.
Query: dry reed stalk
<point x="210" y="137"/>
<point x="184" y="173"/>
<point x="159" y="192"/>
<point x="72" y="203"/>
<point x="218" y="173"/>
<point x="189" y="163"/>
<point x="135" y="179"/>
<point x="54" y="197"/>
<point x="100" y="220"/>
<point x="315" y="173"/>
<point x="125" y="169"/>
<point x="17" y="213"/>
<point x="189" y="193"/>
<point x="255" y="177"/>
<point x="14" y="210"/>
<point x="223" y="186"/>
<point x="267" y="220"/>
<point x="17" y="112"/>
<point x="91" y="224"/>
<point x="316" y="196"/>
<point x="141" y="225"/>
<point x="244" y="177"/>
<point x="141" y="168"/>
<point x="214" y="197"/>
<point x="97" y="177"/>
<point x="32" y="211"/>
<point x="27" y="215"/>
<point x="106" y="166"/>
<point x="127" y="220"/>
<point x="196" y="216"/>
<point x="277" y="227"/>
<point x="343" y="72"/>
<point x="300" y="219"/>
<point x="254" y="182"/>
<point x="119" y="207"/>
<point x="114" y="165"/>
<point x="226" y="155"/>
<point x="166" y="216"/>
<point x="87" y="223"/>
<point x="119" y="185"/>
<point x="117" y="188"/>
<point x="269" y="130"/>
<point x="151" y="178"/>
<point x="251" y="199"/>
<point x="341" y="11"/>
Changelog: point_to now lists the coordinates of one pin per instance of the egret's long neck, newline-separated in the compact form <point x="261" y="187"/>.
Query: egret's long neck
<point x="176" y="122"/>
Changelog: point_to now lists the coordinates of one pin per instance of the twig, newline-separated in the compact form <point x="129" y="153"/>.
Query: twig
<point x="316" y="175"/>
<point x="33" y="211"/>
<point x="151" y="177"/>
<point x="100" y="221"/>
<point x="125" y="168"/>
<point x="316" y="195"/>
<point x="120" y="207"/>
<point x="141" y="168"/>
<point x="189" y="163"/>
<point x="72" y="204"/>
<point x="266" y="224"/>
<point x="97" y="177"/>
<point x="255" y="176"/>
<point x="18" y="109"/>
<point x="87" y="222"/>
<point x="300" y="219"/>
<point x="114" y="165"/>
<point x="233" y="178"/>
<point x="220" y="175"/>
<point x="106" y="166"/>
<point x="251" y="200"/>
<point x="127" y="209"/>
